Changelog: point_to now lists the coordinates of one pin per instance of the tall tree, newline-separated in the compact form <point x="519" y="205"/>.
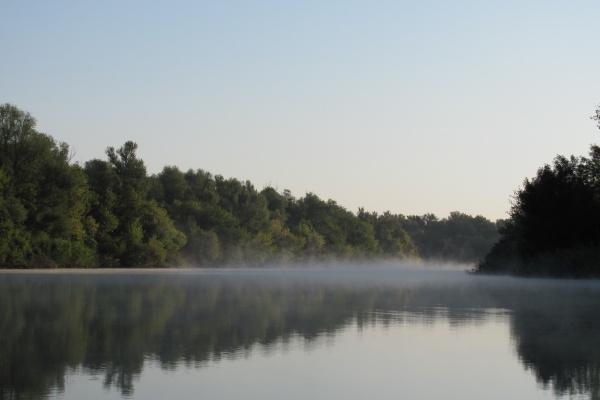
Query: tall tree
<point x="133" y="229"/>
<point x="45" y="195"/>
<point x="554" y="225"/>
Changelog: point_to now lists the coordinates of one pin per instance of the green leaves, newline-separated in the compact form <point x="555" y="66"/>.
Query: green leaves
<point x="553" y="229"/>
<point x="53" y="213"/>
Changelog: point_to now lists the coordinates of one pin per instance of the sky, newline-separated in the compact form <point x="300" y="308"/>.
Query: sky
<point x="412" y="107"/>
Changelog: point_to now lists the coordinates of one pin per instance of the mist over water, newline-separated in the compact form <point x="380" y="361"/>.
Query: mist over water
<point x="324" y="331"/>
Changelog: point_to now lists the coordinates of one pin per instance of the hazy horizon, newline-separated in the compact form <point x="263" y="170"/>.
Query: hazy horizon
<point x="412" y="108"/>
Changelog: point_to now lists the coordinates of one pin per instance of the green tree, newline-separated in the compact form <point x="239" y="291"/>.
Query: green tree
<point x="133" y="230"/>
<point x="392" y="239"/>
<point x="46" y="196"/>
<point x="553" y="227"/>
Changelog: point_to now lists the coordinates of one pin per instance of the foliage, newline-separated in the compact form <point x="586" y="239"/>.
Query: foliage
<point x="553" y="227"/>
<point x="55" y="213"/>
<point x="458" y="237"/>
<point x="133" y="229"/>
<point x="44" y="198"/>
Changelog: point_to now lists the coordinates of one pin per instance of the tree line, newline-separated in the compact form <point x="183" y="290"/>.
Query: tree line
<point x="112" y="213"/>
<point x="554" y="224"/>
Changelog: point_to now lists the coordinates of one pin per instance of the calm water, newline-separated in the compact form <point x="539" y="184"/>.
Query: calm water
<point x="371" y="333"/>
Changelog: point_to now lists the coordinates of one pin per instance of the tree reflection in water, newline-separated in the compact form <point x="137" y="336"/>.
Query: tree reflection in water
<point x="109" y="325"/>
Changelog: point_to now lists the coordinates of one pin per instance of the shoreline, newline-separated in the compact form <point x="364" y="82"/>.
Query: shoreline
<point x="386" y="264"/>
<point x="101" y="270"/>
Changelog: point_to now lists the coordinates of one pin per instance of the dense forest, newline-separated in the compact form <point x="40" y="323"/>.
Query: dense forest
<point x="112" y="213"/>
<point x="554" y="225"/>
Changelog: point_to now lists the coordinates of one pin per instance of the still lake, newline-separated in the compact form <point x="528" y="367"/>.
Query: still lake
<point x="370" y="332"/>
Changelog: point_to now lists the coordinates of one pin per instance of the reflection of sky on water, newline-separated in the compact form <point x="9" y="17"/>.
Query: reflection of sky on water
<point x="297" y="334"/>
<point x="401" y="360"/>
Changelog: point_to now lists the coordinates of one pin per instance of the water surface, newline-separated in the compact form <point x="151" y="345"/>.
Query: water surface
<point x="321" y="333"/>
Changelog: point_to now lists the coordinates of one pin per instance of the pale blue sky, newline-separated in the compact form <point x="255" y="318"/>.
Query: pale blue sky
<point x="414" y="107"/>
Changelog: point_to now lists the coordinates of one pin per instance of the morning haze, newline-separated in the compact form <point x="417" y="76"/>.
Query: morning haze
<point x="257" y="199"/>
<point x="413" y="108"/>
